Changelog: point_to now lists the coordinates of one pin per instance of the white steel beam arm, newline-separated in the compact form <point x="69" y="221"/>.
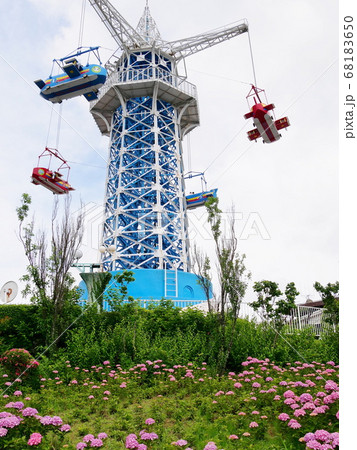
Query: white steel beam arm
<point x="122" y="32"/>
<point x="186" y="47"/>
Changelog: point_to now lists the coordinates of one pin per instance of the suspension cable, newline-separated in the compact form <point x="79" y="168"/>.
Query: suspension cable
<point x="189" y="161"/>
<point x="49" y="127"/>
<point x="251" y="56"/>
<point x="59" y="126"/>
<point x="81" y="24"/>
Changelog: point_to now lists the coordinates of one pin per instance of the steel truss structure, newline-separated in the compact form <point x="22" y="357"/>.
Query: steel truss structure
<point x="146" y="108"/>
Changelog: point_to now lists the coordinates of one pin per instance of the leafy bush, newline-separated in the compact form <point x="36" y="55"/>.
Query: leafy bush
<point x="20" y="327"/>
<point x="18" y="362"/>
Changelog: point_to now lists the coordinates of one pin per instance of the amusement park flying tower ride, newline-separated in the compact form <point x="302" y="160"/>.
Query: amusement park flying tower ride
<point x="146" y="108"/>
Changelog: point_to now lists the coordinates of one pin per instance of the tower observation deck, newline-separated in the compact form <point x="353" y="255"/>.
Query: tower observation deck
<point x="146" y="108"/>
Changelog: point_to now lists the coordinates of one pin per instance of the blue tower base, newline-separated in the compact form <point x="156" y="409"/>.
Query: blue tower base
<point x="152" y="285"/>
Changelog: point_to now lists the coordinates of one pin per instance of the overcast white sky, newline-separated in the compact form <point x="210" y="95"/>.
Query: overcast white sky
<point x="285" y="194"/>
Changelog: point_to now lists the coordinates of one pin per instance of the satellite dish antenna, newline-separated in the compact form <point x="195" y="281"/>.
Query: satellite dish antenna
<point x="78" y="255"/>
<point x="8" y="292"/>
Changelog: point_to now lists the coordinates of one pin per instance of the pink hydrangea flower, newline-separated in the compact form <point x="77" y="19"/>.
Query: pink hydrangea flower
<point x="102" y="436"/>
<point x="29" y="412"/>
<point x="88" y="438"/>
<point x="294" y="424"/>
<point x="308" y="437"/>
<point x="149" y="421"/>
<point x="308" y="405"/>
<point x="56" y="420"/>
<point x="18" y="394"/>
<point x="16" y="405"/>
<point x="335" y="439"/>
<point x="81" y="445"/>
<point x="253" y="425"/>
<point x="131" y="441"/>
<point x="288" y="394"/>
<point x="329" y="386"/>
<point x="233" y="436"/>
<point x="180" y="443"/>
<point x="284" y="417"/>
<point x="299" y="412"/>
<point x="3" y="431"/>
<point x="210" y="446"/>
<point x="313" y="444"/>
<point x="149" y="436"/>
<point x="35" y="439"/>
<point x="96" y="443"/>
<point x="65" y="427"/>
<point x="10" y="421"/>
<point x="304" y="398"/>
<point x="322" y="435"/>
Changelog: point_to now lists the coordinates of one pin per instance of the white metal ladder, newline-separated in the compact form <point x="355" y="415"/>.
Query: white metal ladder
<point x="171" y="288"/>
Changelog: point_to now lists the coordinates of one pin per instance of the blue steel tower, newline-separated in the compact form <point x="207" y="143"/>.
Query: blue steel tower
<point x="146" y="108"/>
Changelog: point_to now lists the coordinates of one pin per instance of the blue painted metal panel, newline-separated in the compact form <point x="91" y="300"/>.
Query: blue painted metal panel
<point x="149" y="285"/>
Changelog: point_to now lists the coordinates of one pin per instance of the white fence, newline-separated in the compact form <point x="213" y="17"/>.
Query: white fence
<point x="308" y="317"/>
<point x="300" y="318"/>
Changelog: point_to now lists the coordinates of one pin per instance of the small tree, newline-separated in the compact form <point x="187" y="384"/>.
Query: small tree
<point x="232" y="276"/>
<point x="330" y="297"/>
<point x="202" y="266"/>
<point x="271" y="305"/>
<point x="48" y="280"/>
<point x="115" y="296"/>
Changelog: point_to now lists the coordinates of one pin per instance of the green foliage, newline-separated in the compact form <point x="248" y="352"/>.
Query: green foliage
<point x="23" y="210"/>
<point x="20" y="327"/>
<point x="330" y="297"/>
<point x="116" y="296"/>
<point x="273" y="308"/>
<point x="132" y="334"/>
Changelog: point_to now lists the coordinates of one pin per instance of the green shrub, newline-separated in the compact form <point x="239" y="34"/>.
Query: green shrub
<point x="18" y="362"/>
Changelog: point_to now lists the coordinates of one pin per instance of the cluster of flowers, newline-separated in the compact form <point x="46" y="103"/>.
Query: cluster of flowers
<point x="18" y="361"/>
<point x="131" y="441"/>
<point x="91" y="441"/>
<point x="298" y="399"/>
<point x="321" y="440"/>
<point x="306" y="404"/>
<point x="261" y="384"/>
<point x="9" y="421"/>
